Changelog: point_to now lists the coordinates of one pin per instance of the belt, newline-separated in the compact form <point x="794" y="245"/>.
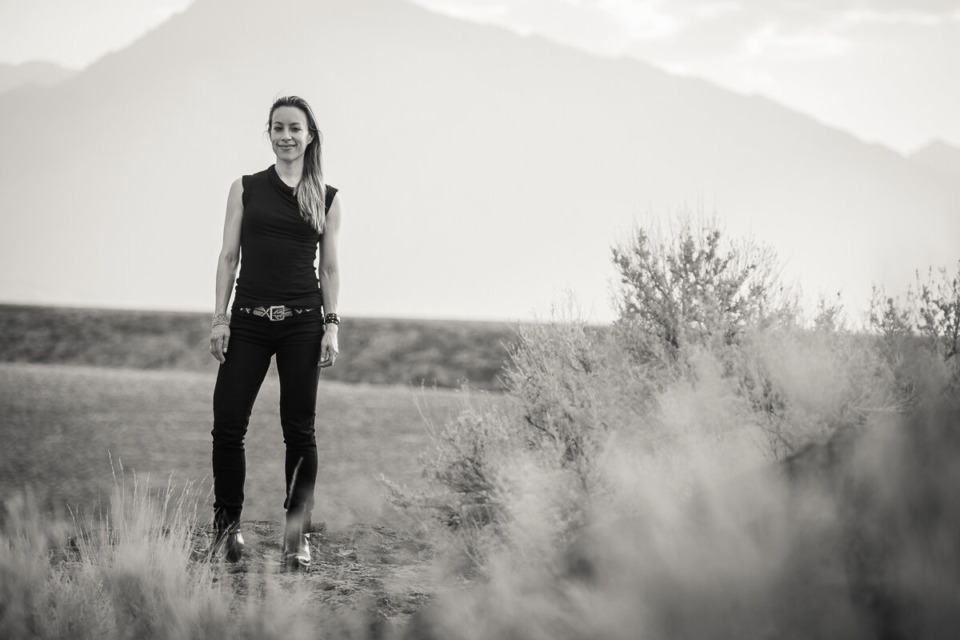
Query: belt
<point x="274" y="313"/>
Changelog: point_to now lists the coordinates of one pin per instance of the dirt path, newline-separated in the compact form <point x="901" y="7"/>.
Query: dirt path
<point x="368" y="568"/>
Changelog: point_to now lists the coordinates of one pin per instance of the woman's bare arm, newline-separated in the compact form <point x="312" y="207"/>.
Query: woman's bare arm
<point x="330" y="279"/>
<point x="227" y="268"/>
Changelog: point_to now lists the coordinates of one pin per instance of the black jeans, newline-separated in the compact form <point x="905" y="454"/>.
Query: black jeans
<point x="253" y="341"/>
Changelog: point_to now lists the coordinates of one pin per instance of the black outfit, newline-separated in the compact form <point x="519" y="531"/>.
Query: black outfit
<point x="277" y="250"/>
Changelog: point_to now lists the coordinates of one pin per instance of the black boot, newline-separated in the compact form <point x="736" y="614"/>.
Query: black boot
<point x="296" y="545"/>
<point x="229" y="542"/>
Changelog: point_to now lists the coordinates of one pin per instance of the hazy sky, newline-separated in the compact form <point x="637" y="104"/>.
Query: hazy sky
<point x="884" y="70"/>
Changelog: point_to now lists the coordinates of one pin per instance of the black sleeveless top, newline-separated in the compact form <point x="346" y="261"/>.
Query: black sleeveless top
<point x="278" y="247"/>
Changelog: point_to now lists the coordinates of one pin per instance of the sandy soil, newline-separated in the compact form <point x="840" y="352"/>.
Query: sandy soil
<point x="369" y="569"/>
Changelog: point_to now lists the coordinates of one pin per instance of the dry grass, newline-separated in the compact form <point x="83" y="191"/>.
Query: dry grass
<point x="142" y="569"/>
<point x="133" y="566"/>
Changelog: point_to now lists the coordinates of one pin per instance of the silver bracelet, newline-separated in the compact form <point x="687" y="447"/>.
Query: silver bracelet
<point x="220" y="318"/>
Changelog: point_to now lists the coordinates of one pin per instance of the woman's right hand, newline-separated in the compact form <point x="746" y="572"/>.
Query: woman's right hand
<point x="219" y="339"/>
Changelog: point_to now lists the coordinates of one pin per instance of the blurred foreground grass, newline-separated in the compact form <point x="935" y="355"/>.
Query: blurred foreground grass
<point x="142" y="568"/>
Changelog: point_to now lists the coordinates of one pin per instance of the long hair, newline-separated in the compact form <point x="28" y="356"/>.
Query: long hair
<point x="311" y="191"/>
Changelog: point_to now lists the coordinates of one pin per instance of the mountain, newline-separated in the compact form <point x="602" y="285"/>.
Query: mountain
<point x="940" y="156"/>
<point x="44" y="74"/>
<point x="482" y="173"/>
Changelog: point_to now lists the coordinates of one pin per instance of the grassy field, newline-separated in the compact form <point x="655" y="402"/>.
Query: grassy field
<point x="98" y="407"/>
<point x="61" y="425"/>
<point x="72" y="434"/>
<point x="374" y="351"/>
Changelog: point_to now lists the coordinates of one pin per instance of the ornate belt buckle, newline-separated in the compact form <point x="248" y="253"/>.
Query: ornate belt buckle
<point x="275" y="313"/>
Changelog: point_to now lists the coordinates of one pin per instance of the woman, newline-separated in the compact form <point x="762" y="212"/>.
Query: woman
<point x="276" y="221"/>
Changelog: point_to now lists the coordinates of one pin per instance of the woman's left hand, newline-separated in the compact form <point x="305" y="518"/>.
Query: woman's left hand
<point x="329" y="347"/>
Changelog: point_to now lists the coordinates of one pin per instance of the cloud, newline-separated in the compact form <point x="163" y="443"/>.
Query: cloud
<point x="771" y="39"/>
<point x="769" y="28"/>
<point x="643" y="20"/>
<point x="600" y="26"/>
<point x="909" y="17"/>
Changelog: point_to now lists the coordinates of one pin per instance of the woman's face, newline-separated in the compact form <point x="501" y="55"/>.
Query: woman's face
<point x="289" y="133"/>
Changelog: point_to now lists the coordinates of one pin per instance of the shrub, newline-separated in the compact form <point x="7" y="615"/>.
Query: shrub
<point x="939" y="312"/>
<point x="578" y="392"/>
<point x="805" y="385"/>
<point x="689" y="287"/>
<point x="710" y="364"/>
<point x="918" y="337"/>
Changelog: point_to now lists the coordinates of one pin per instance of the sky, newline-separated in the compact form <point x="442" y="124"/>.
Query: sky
<point x="883" y="70"/>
